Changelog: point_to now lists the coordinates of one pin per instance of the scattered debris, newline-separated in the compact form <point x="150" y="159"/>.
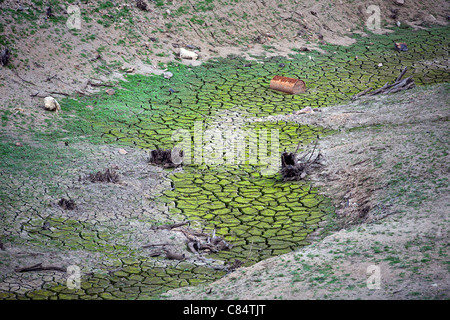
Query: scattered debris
<point x="398" y="85"/>
<point x="46" y="226"/>
<point x="400" y="46"/>
<point x="141" y="5"/>
<point x="305" y="110"/>
<point x="394" y="13"/>
<point x="235" y="265"/>
<point x="164" y="157"/>
<point x="190" y="46"/>
<point x="40" y="267"/>
<point x="186" y="54"/>
<point x="287" y="85"/>
<point x="170" y="226"/>
<point x="297" y="167"/>
<point x="199" y="241"/>
<point x="51" y="104"/>
<point x="109" y="176"/>
<point x="174" y="256"/>
<point x="67" y="204"/>
<point x="95" y="84"/>
<point x="4" y="56"/>
<point x="49" y="12"/>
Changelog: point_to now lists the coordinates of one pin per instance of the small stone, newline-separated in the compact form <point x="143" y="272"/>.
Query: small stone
<point x="168" y="75"/>
<point x="380" y="64"/>
<point x="399" y="2"/>
<point x="110" y="91"/>
<point x="123" y="151"/>
<point x="130" y="70"/>
<point x="51" y="104"/>
<point x="18" y="144"/>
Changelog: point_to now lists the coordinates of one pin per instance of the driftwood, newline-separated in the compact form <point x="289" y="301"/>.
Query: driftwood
<point x="170" y="226"/>
<point x="199" y="241"/>
<point x="174" y="256"/>
<point x="164" y="158"/>
<point x="230" y="267"/>
<point x="93" y="84"/>
<point x="296" y="166"/>
<point x="398" y="85"/>
<point x="151" y="245"/>
<point x="40" y="267"/>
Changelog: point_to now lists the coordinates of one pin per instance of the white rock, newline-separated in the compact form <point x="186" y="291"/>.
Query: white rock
<point x="168" y="75"/>
<point x="186" y="54"/>
<point x="51" y="104"/>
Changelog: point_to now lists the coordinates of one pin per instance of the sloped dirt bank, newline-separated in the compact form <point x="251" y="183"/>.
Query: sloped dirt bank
<point x="391" y="156"/>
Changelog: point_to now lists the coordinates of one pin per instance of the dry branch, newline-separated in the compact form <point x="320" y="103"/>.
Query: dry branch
<point x="199" y="241"/>
<point x="40" y="267"/>
<point x="170" y="226"/>
<point x="398" y="85"/>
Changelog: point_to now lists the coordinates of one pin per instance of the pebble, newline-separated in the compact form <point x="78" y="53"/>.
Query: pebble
<point x="168" y="75"/>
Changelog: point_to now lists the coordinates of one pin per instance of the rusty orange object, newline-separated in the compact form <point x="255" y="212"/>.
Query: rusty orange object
<point x="288" y="85"/>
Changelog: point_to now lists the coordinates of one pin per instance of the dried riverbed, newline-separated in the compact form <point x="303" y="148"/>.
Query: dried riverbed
<point x="106" y="234"/>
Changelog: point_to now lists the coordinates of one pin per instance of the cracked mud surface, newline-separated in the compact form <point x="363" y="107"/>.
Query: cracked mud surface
<point x="106" y="232"/>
